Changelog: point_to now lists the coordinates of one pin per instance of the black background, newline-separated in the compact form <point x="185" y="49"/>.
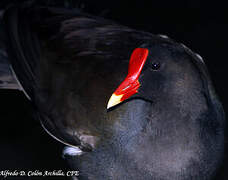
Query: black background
<point x="200" y="25"/>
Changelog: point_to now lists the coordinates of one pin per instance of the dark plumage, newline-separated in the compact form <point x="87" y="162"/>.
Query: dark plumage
<point x="69" y="63"/>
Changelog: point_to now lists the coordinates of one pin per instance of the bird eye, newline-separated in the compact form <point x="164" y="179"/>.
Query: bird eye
<point x="155" y="66"/>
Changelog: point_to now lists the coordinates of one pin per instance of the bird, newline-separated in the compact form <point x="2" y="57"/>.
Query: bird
<point x="127" y="104"/>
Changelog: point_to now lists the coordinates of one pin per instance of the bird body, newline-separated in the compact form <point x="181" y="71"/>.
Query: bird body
<point x="69" y="64"/>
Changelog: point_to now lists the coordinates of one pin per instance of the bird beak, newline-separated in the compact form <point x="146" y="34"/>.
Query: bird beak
<point x="123" y="92"/>
<point x="114" y="100"/>
<point x="131" y="84"/>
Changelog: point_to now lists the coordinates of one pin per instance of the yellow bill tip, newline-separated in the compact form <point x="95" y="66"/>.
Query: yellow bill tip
<point x="114" y="100"/>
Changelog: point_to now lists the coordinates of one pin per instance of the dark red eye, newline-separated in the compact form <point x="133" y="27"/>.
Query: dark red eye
<point x="155" y="66"/>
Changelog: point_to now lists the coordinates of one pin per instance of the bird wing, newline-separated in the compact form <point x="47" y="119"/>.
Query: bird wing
<point x="24" y="53"/>
<point x="23" y="49"/>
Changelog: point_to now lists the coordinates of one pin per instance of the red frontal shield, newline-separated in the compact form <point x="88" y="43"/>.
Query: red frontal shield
<point x="131" y="84"/>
